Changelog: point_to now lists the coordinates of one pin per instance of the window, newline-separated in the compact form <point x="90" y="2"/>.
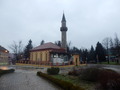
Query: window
<point x="41" y="56"/>
<point x="46" y="56"/>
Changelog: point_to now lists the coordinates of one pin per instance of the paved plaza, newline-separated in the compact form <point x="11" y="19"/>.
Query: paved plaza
<point x="25" y="79"/>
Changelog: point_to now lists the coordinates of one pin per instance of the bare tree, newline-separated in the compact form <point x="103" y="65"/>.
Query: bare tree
<point x="116" y="41"/>
<point x="106" y="44"/>
<point x="117" y="47"/>
<point x="20" y="47"/>
<point x="17" y="49"/>
<point x="111" y="43"/>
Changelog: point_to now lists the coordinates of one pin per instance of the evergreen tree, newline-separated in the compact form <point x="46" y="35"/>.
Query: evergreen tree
<point x="27" y="50"/>
<point x="74" y="50"/>
<point x="91" y="56"/>
<point x="42" y="42"/>
<point x="100" y="52"/>
<point x="85" y="55"/>
<point x="58" y="43"/>
<point x="69" y="47"/>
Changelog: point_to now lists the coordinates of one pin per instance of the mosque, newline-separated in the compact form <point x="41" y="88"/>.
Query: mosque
<point x="51" y="54"/>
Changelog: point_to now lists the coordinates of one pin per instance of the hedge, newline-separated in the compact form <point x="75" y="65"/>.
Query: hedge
<point x="90" y="74"/>
<point x="63" y="84"/>
<point x="6" y="71"/>
<point x="106" y="78"/>
<point x="53" y="71"/>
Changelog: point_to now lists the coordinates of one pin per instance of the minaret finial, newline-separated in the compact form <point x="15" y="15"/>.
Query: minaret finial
<point x="63" y="18"/>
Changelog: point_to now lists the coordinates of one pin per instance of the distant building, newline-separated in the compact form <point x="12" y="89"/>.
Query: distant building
<point x="4" y="54"/>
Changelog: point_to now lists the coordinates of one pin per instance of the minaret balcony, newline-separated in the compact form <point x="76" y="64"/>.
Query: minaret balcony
<point x="63" y="29"/>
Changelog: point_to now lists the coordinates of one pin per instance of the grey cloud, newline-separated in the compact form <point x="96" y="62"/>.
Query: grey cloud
<point x="88" y="21"/>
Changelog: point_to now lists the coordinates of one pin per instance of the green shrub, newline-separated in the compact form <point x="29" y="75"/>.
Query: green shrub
<point x="74" y="73"/>
<point x="53" y="71"/>
<point x="90" y="74"/>
<point x="63" y="84"/>
<point x="109" y="79"/>
<point x="106" y="78"/>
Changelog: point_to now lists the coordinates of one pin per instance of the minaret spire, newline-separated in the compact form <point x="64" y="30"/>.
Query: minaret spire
<point x="63" y="18"/>
<point x="63" y="30"/>
<point x="63" y="22"/>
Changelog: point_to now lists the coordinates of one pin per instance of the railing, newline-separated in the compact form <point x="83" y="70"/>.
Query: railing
<point x="47" y="63"/>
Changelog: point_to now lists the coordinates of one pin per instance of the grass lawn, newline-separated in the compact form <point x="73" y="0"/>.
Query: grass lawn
<point x="75" y="80"/>
<point x="3" y="63"/>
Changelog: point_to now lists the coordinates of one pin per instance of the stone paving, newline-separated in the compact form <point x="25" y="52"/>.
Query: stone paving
<point x="25" y="79"/>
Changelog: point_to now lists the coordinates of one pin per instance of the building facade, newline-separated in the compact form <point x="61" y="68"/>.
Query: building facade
<point x="48" y="53"/>
<point x="4" y="54"/>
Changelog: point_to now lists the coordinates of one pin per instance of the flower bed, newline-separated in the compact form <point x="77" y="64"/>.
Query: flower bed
<point x="63" y="84"/>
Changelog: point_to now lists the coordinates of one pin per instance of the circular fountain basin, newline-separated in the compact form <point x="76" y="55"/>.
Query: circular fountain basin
<point x="5" y="68"/>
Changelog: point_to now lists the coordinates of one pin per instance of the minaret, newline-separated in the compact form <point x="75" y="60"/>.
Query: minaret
<point x="63" y="30"/>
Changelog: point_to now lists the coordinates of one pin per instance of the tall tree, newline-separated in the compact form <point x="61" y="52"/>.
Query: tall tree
<point x="17" y="48"/>
<point x="58" y="43"/>
<point x="74" y="50"/>
<point x="27" y="50"/>
<point x="69" y="46"/>
<point x="111" y="43"/>
<point x="116" y="41"/>
<point x="91" y="56"/>
<point x="84" y="55"/>
<point x="100" y="52"/>
<point x="117" y="47"/>
<point x="42" y="42"/>
<point x="106" y="44"/>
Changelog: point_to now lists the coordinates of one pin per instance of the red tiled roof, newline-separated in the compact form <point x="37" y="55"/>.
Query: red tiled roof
<point x="46" y="46"/>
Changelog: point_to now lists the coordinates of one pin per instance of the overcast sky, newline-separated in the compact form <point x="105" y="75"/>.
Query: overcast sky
<point x="88" y="21"/>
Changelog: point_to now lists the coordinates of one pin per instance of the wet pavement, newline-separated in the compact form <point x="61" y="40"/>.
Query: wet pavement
<point x="25" y="79"/>
<point x="112" y="67"/>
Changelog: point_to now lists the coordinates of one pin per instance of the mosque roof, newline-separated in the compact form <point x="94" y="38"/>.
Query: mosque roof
<point x="45" y="46"/>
